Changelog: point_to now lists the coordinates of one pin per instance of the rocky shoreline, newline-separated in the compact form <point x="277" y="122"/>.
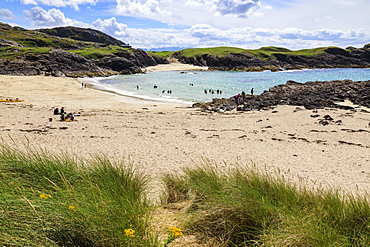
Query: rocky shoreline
<point x="332" y="57"/>
<point x="60" y="63"/>
<point x="310" y="95"/>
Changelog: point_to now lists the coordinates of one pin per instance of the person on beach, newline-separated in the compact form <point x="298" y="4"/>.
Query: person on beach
<point x="56" y="111"/>
<point x="70" y="117"/>
<point x="252" y="90"/>
<point x="62" y="116"/>
<point x="137" y="87"/>
<point x="62" y="111"/>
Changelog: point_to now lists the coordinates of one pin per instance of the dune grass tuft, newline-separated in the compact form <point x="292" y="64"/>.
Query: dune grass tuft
<point x="57" y="201"/>
<point x="49" y="200"/>
<point x="246" y="207"/>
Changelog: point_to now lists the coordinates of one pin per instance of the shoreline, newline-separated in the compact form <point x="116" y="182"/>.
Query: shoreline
<point x="161" y="138"/>
<point x="131" y="98"/>
<point x="174" y="66"/>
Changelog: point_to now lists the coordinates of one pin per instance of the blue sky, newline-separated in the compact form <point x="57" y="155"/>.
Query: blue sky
<point x="161" y="24"/>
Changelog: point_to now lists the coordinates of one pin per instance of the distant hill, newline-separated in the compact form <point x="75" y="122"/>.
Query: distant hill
<point x="68" y="51"/>
<point x="272" y="58"/>
<point x="84" y="34"/>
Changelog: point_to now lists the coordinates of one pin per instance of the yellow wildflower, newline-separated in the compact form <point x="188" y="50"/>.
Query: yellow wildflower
<point x="45" y="196"/>
<point x="130" y="232"/>
<point x="175" y="231"/>
<point x="71" y="207"/>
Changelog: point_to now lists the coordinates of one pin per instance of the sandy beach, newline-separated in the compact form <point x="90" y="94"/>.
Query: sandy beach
<point x="163" y="138"/>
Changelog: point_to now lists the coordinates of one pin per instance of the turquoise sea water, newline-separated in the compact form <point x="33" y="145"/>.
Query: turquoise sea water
<point x="190" y="86"/>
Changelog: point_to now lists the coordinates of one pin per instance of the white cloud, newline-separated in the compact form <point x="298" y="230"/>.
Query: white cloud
<point x="51" y="18"/>
<point x="155" y="38"/>
<point x="39" y="17"/>
<point x="34" y="2"/>
<point x="346" y="3"/>
<point x="204" y="31"/>
<point x="60" y="3"/>
<point x="145" y="8"/>
<point x="236" y="8"/>
<point x="6" y="14"/>
<point x="204" y="35"/>
<point x="111" y="27"/>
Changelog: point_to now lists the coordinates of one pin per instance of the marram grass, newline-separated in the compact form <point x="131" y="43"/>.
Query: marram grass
<point x="246" y="207"/>
<point x="56" y="201"/>
<point x="49" y="200"/>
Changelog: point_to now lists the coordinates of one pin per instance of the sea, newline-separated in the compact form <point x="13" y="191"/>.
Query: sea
<point x="203" y="86"/>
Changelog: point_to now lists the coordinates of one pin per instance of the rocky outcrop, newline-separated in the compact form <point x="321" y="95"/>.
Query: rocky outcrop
<point x="311" y="95"/>
<point x="8" y="43"/>
<point x="329" y="58"/>
<point x="217" y="105"/>
<point x="59" y="62"/>
<point x="233" y="61"/>
<point x="119" y="64"/>
<point x="332" y="58"/>
<point x="56" y="63"/>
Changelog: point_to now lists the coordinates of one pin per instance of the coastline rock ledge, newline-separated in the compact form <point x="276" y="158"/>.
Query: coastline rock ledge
<point x="311" y="95"/>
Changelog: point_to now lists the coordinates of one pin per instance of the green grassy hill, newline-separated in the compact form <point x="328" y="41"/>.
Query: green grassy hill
<point x="16" y="42"/>
<point x="262" y="53"/>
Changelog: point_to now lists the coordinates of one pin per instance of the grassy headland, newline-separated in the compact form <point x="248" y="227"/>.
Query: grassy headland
<point x="265" y="53"/>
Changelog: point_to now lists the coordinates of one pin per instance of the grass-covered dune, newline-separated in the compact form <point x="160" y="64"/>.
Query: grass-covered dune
<point x="48" y="200"/>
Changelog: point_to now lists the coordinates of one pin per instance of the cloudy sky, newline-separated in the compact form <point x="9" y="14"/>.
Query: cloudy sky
<point x="178" y="24"/>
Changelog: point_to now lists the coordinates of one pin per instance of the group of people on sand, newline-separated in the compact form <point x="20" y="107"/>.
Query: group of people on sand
<point x="63" y="115"/>
<point x="240" y="98"/>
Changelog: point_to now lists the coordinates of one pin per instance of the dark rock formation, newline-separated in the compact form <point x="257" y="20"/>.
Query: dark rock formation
<point x="9" y="43"/>
<point x="311" y="95"/>
<point x="233" y="61"/>
<point x="330" y="58"/>
<point x="217" y="105"/>
<point x="59" y="62"/>
<point x="119" y="64"/>
<point x="56" y="63"/>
